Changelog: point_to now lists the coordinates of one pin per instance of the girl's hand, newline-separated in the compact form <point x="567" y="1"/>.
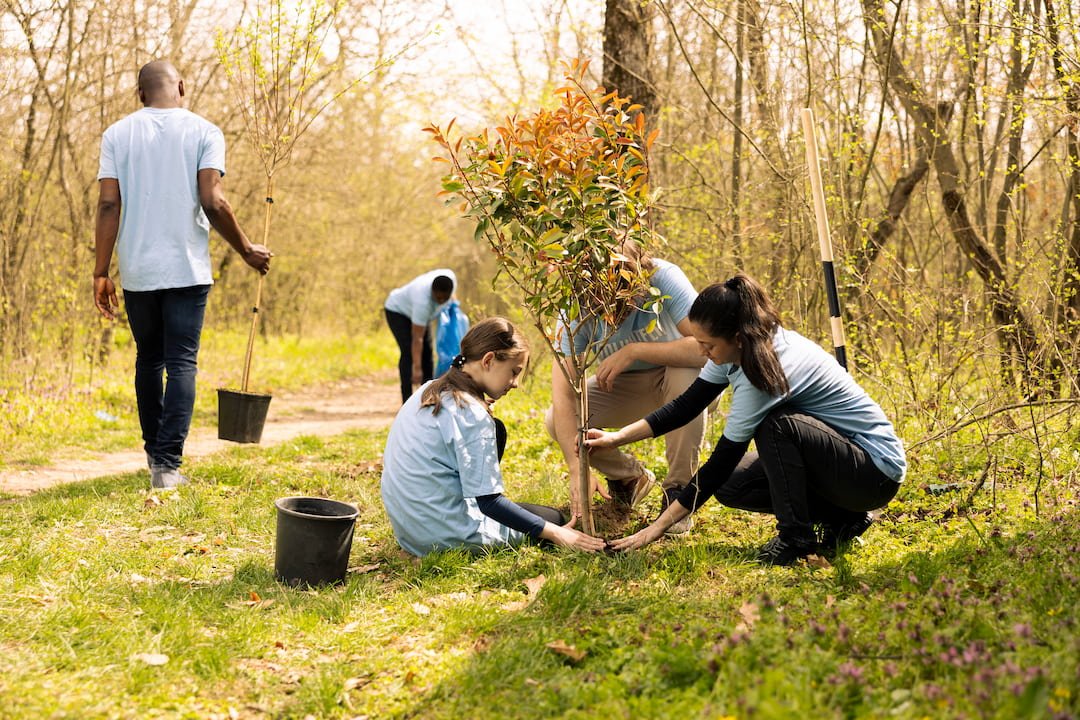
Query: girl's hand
<point x="639" y="539"/>
<point x="566" y="536"/>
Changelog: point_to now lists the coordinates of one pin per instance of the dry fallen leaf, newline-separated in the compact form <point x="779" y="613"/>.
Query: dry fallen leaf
<point x="749" y="613"/>
<point x="515" y="605"/>
<point x="362" y="569"/>
<point x="356" y="682"/>
<point x="534" y="584"/>
<point x="254" y="601"/>
<point x="151" y="658"/>
<point x="532" y="587"/>
<point x="816" y="561"/>
<point x="569" y="651"/>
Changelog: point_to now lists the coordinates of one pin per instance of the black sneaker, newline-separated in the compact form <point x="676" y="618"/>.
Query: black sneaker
<point x="782" y="552"/>
<point x="834" y="535"/>
<point x="683" y="526"/>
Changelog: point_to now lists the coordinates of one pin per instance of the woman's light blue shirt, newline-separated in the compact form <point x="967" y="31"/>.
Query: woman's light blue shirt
<point x="819" y="387"/>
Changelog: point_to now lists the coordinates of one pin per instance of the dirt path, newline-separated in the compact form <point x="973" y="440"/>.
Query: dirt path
<point x="368" y="403"/>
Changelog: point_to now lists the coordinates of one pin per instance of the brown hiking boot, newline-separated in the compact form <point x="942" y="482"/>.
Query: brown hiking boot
<point x="631" y="492"/>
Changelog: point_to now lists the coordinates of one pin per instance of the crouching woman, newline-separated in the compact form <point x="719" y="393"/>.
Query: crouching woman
<point x="441" y="483"/>
<point x="826" y="453"/>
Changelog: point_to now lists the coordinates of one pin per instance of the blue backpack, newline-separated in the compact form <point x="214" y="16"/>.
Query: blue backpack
<point x="452" y="326"/>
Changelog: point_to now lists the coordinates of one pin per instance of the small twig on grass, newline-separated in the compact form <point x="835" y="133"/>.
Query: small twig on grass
<point x="976" y="529"/>
<point x="978" y="485"/>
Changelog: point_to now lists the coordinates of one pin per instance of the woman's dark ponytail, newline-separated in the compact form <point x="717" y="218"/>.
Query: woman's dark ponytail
<point x="739" y="310"/>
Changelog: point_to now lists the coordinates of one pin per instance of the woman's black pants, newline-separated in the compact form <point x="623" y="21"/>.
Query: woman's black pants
<point x="805" y="472"/>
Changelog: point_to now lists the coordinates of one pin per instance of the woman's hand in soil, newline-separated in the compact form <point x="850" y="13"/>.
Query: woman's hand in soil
<point x="639" y="539"/>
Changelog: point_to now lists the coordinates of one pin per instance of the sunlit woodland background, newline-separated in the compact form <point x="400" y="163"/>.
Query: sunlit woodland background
<point x="948" y="137"/>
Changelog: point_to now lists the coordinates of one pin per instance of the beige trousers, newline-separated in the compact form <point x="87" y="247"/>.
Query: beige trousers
<point x="635" y="395"/>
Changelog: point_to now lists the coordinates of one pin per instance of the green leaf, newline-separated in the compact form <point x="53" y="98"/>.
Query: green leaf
<point x="552" y="235"/>
<point x="481" y="229"/>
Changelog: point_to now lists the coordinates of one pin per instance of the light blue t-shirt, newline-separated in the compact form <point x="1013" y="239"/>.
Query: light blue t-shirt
<point x="819" y="387"/>
<point x="414" y="299"/>
<point x="678" y="294"/>
<point x="155" y="155"/>
<point x="434" y="468"/>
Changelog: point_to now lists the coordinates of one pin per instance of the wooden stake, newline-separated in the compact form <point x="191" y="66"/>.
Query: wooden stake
<point x="824" y="239"/>
<point x="258" y="288"/>
<point x="584" y="477"/>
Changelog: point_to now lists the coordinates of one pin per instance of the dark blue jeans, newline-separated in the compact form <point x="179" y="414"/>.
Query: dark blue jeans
<point x="401" y="326"/>
<point x="805" y="472"/>
<point x="166" y="325"/>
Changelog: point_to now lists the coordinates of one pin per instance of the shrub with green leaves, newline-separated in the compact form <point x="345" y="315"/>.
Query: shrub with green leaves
<point x="560" y="196"/>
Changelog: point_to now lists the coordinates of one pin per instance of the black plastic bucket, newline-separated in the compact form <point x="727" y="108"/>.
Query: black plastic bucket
<point x="241" y="415"/>
<point x="314" y="538"/>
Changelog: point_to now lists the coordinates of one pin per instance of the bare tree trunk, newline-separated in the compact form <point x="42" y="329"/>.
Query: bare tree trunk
<point x="736" y="138"/>
<point x="628" y="38"/>
<point x="898" y="201"/>
<point x="1071" y="92"/>
<point x="931" y="123"/>
<point x="767" y="123"/>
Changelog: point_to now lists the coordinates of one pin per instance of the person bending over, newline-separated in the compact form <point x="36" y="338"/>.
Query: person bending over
<point x="410" y="310"/>
<point x="826" y="453"/>
<point x="441" y="482"/>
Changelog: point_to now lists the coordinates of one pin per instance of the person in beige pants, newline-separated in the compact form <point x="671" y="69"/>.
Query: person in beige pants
<point x="648" y="361"/>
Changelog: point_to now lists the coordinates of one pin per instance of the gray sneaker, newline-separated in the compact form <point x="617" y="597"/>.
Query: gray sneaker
<point x="632" y="492"/>
<point x="163" y="478"/>
<point x="683" y="526"/>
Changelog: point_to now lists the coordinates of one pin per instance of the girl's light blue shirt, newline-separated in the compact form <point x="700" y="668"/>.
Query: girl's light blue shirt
<point x="434" y="468"/>
<point x="819" y="387"/>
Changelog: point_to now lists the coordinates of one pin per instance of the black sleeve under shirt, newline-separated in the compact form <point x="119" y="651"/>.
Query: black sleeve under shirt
<point x="684" y="408"/>
<point x="714" y="473"/>
<point x="503" y="510"/>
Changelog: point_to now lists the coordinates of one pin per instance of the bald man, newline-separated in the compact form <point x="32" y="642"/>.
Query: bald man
<point x="160" y="192"/>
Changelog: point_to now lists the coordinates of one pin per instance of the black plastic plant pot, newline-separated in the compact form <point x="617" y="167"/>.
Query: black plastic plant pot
<point x="241" y="415"/>
<point x="314" y="538"/>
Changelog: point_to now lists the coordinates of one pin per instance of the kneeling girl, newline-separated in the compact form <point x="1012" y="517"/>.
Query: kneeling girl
<point x="441" y="482"/>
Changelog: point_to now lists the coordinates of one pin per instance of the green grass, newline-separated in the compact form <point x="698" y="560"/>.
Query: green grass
<point x="950" y="609"/>
<point x="95" y="409"/>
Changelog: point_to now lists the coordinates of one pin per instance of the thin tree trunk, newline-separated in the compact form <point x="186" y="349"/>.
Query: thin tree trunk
<point x="898" y="202"/>
<point x="931" y="123"/>
<point x="736" y="138"/>
<point x="1071" y="92"/>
